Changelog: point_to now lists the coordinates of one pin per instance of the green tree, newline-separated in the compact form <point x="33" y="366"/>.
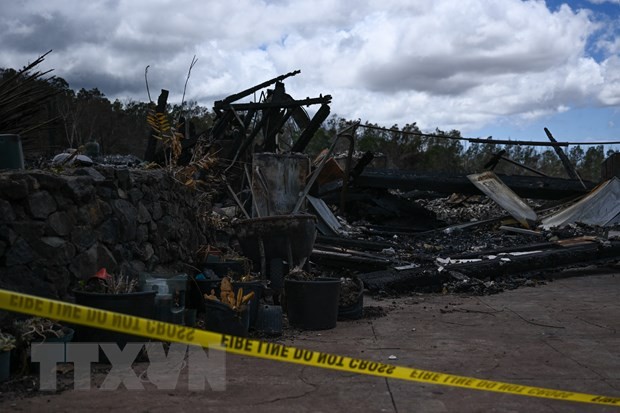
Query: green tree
<point x="591" y="164"/>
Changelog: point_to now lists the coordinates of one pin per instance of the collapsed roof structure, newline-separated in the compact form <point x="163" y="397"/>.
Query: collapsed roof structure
<point x="408" y="247"/>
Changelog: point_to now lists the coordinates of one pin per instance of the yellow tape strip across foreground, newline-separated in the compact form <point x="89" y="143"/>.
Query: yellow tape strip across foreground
<point x="108" y="320"/>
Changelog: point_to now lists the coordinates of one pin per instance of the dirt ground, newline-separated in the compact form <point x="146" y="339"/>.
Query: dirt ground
<point x="561" y="335"/>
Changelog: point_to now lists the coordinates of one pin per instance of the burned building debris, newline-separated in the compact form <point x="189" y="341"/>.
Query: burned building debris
<point x="400" y="229"/>
<point x="269" y="214"/>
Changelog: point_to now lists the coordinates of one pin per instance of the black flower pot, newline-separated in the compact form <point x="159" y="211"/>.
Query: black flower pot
<point x="220" y="318"/>
<point x="139" y="304"/>
<point x="312" y="304"/>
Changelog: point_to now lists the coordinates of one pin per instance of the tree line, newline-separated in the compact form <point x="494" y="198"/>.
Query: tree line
<point x="71" y="119"/>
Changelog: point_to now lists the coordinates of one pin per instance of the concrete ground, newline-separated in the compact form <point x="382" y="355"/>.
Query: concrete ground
<point x="561" y="335"/>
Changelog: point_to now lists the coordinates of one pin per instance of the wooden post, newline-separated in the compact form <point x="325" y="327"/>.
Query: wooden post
<point x="572" y="173"/>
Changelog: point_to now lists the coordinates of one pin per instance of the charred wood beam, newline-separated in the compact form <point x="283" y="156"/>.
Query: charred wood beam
<point x="281" y="105"/>
<point x="222" y="123"/>
<point x="222" y="104"/>
<point x="402" y="281"/>
<point x="341" y="260"/>
<point x="300" y="116"/>
<point x="310" y="130"/>
<point x="551" y="259"/>
<point x="537" y="187"/>
<point x="245" y="142"/>
<point x="274" y="118"/>
<point x="492" y="163"/>
<point x="570" y="169"/>
<point x="363" y="162"/>
<point x="557" y="259"/>
<point x="496" y="251"/>
<point x="247" y="119"/>
<point x="353" y="243"/>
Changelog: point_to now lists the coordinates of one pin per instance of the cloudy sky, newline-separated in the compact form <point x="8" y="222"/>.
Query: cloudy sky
<point x="505" y="68"/>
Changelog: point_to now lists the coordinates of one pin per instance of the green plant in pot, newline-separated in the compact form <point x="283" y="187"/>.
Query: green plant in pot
<point x="7" y="343"/>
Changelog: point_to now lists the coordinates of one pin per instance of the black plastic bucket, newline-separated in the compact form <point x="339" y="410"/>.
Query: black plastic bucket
<point x="257" y="288"/>
<point x="312" y="304"/>
<point x="220" y="318"/>
<point x="139" y="304"/>
<point x="269" y="320"/>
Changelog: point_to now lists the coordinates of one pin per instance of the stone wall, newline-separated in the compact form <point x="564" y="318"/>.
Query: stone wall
<point x="57" y="229"/>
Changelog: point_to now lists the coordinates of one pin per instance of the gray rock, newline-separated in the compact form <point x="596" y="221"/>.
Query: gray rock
<point x="48" y="181"/>
<point x="142" y="234"/>
<point x="147" y="252"/>
<point x="108" y="231"/>
<point x="21" y="279"/>
<point x="121" y="194"/>
<point x="19" y="253"/>
<point x="135" y="195"/>
<point x="79" y="188"/>
<point x="127" y="216"/>
<point x="41" y="204"/>
<point x="58" y="276"/>
<point x="7" y="235"/>
<point x="108" y="172"/>
<point x="171" y="208"/>
<point x="91" y="172"/>
<point x="122" y="253"/>
<point x="14" y="189"/>
<point x="54" y="250"/>
<point x="137" y="267"/>
<point x="20" y="211"/>
<point x="124" y="179"/>
<point x="143" y="214"/>
<point x="30" y="230"/>
<point x="61" y="223"/>
<point x="83" y="237"/>
<point x="156" y="211"/>
<point x="92" y="213"/>
<point x="105" y="193"/>
<point x="6" y="211"/>
<point x="167" y="228"/>
<point x="63" y="203"/>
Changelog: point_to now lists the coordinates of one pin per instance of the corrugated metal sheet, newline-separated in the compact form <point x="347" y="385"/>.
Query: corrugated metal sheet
<point x="600" y="207"/>
<point x="499" y="192"/>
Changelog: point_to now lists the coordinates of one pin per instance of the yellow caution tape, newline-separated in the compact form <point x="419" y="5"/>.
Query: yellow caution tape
<point x="108" y="320"/>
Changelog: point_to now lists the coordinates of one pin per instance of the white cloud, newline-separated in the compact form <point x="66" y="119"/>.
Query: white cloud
<point x="604" y="1"/>
<point x="441" y="64"/>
